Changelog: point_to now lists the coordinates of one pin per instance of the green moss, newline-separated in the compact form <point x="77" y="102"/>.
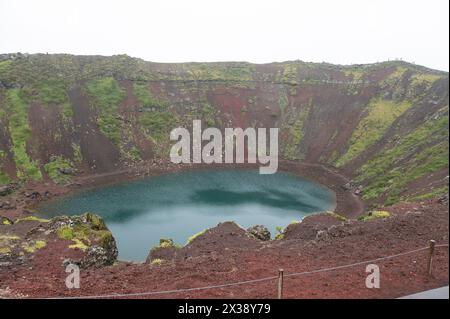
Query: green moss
<point x="283" y="101"/>
<point x="5" y="66"/>
<point x="65" y="232"/>
<point x="104" y="237"/>
<point x="96" y="221"/>
<point x="164" y="243"/>
<point x="131" y="153"/>
<point x="426" y="162"/>
<point x="193" y="237"/>
<point x="280" y="233"/>
<point x="53" y="169"/>
<point x="83" y="234"/>
<point x="107" y="95"/>
<point x="78" y="244"/>
<point x="156" y="124"/>
<point x="290" y="73"/>
<point x="375" y="215"/>
<point x="440" y="191"/>
<point x="51" y="91"/>
<point x="33" y="246"/>
<point x="157" y="261"/>
<point x="237" y="71"/>
<point x="67" y="112"/>
<point x="20" y="133"/>
<point x="424" y="78"/>
<point x="33" y="218"/>
<point x="4" y="179"/>
<point x="380" y="116"/>
<point x="78" y="235"/>
<point x="208" y="114"/>
<point x="397" y="74"/>
<point x="145" y="98"/>
<point x="356" y="74"/>
<point x="5" y="250"/>
<point x="425" y="150"/>
<point x="7" y="243"/>
<point x="77" y="156"/>
<point x="337" y="216"/>
<point x="295" y="135"/>
<point x="9" y="237"/>
<point x="143" y="95"/>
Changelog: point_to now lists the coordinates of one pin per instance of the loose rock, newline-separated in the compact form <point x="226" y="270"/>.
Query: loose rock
<point x="259" y="232"/>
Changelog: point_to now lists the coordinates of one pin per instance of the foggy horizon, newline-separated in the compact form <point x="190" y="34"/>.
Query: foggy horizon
<point x="337" y="32"/>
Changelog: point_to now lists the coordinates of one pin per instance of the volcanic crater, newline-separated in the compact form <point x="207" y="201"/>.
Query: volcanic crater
<point x="376" y="135"/>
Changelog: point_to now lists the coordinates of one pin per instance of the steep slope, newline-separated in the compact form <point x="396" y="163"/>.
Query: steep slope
<point x="384" y="124"/>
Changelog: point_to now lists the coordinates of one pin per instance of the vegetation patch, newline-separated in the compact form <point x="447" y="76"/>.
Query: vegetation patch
<point x="337" y="216"/>
<point x="5" y="221"/>
<point x="157" y="261"/>
<point x="4" y="179"/>
<point x="238" y="72"/>
<point x="77" y="156"/>
<point x="156" y="124"/>
<point x="290" y="73"/>
<point x="423" y="151"/>
<point x="32" y="246"/>
<point x="65" y="232"/>
<point x="355" y="73"/>
<point x="295" y="135"/>
<point x="82" y="234"/>
<point x="5" y="65"/>
<point x="209" y="115"/>
<point x="9" y="237"/>
<point x="20" y="133"/>
<point x="424" y="78"/>
<point x="166" y="243"/>
<point x="55" y="167"/>
<point x="441" y="191"/>
<point x="5" y="250"/>
<point x="380" y="116"/>
<point x="397" y="74"/>
<point x="280" y="233"/>
<point x="32" y="219"/>
<point x="107" y="95"/>
<point x="78" y="244"/>
<point x="375" y="215"/>
<point x="195" y="236"/>
<point x="145" y="98"/>
<point x="7" y="242"/>
<point x="51" y="91"/>
<point x="283" y="101"/>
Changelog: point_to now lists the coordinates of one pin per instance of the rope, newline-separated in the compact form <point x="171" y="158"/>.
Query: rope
<point x="238" y="283"/>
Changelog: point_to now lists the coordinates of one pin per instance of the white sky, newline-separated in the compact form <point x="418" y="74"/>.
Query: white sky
<point x="335" y="31"/>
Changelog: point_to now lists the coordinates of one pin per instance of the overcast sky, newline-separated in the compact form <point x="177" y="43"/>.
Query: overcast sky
<point x="336" y="31"/>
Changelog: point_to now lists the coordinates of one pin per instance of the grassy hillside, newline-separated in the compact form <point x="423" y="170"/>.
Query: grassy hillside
<point x="385" y="124"/>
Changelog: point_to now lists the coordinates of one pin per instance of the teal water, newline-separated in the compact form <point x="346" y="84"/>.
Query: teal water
<point x="179" y="205"/>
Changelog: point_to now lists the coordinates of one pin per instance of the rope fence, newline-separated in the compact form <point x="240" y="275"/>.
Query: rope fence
<point x="431" y="248"/>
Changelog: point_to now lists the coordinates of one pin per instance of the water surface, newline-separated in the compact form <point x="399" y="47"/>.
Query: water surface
<point x="179" y="205"/>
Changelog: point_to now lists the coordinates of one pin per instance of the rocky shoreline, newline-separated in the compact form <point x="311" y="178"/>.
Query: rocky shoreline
<point x="23" y="200"/>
